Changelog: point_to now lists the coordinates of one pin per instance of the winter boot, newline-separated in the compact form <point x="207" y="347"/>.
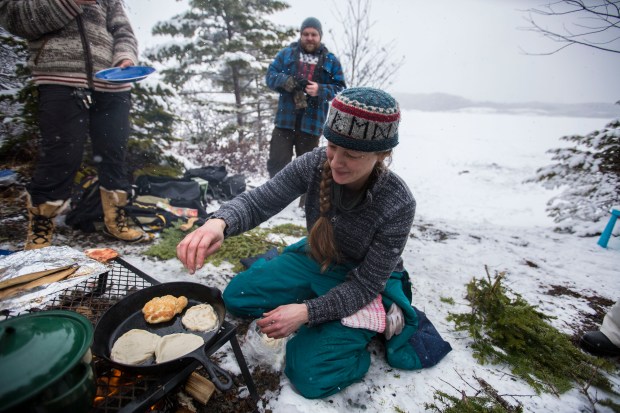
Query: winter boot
<point x="116" y="223"/>
<point x="41" y="222"/>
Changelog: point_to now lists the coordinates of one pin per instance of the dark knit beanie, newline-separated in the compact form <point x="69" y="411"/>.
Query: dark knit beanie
<point x="363" y="119"/>
<point x="314" y="23"/>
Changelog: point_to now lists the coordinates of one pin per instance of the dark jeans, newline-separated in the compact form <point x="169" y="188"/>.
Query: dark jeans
<point x="281" y="148"/>
<point x="65" y="126"/>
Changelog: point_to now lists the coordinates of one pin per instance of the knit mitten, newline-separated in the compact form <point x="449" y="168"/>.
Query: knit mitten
<point x="371" y="317"/>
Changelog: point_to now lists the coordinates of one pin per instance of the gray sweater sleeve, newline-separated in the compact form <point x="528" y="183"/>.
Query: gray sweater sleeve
<point x="250" y="209"/>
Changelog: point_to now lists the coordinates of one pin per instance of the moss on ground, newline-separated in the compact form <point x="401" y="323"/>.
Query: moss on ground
<point x="249" y="244"/>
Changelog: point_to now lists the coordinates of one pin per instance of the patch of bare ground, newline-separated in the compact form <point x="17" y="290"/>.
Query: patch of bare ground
<point x="428" y="232"/>
<point x="591" y="322"/>
<point x="237" y="399"/>
<point x="231" y="402"/>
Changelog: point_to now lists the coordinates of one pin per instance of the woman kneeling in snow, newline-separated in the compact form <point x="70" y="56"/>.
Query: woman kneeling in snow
<point x="333" y="287"/>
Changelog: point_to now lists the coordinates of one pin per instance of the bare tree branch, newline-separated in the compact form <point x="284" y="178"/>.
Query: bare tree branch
<point x="593" y="23"/>
<point x="365" y="61"/>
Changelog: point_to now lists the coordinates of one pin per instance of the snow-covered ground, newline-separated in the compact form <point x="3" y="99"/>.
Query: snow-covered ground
<point x="466" y="171"/>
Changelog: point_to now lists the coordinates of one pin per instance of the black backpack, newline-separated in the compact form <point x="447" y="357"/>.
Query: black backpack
<point x="222" y="186"/>
<point x="180" y="192"/>
<point x="230" y="187"/>
<point x="152" y="217"/>
<point x="86" y="212"/>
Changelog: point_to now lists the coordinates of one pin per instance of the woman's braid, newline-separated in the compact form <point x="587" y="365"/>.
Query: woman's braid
<point x="321" y="239"/>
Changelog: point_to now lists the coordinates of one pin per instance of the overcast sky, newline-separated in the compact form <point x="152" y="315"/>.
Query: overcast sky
<point x="470" y="48"/>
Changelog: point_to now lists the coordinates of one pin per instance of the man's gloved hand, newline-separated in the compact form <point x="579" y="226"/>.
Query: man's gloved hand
<point x="290" y="84"/>
<point x="301" y="83"/>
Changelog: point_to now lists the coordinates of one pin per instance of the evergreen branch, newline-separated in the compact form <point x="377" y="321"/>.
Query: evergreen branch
<point x="511" y="331"/>
<point x="488" y="389"/>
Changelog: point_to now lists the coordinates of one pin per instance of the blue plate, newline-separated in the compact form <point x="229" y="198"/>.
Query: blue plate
<point x="126" y="75"/>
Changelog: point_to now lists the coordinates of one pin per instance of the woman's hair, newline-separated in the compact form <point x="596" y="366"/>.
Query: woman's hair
<point x="321" y="239"/>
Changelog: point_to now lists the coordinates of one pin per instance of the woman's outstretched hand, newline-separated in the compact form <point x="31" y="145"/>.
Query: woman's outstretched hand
<point x="201" y="243"/>
<point x="284" y="320"/>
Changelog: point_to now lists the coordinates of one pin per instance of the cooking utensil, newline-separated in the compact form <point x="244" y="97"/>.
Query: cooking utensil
<point x="45" y="363"/>
<point x="127" y="314"/>
<point x="29" y="277"/>
<point x="41" y="280"/>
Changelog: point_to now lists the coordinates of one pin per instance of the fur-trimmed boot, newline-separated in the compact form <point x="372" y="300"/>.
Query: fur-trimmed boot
<point x="41" y="222"/>
<point x="116" y="222"/>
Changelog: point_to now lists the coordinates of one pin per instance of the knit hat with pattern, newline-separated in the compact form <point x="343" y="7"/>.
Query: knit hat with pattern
<point x="363" y="119"/>
<point x="314" y="23"/>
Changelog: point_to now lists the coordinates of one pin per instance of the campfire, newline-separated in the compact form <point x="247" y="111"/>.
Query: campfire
<point x="110" y="383"/>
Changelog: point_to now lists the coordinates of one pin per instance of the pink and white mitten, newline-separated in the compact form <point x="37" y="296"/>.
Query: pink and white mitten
<point x="370" y="317"/>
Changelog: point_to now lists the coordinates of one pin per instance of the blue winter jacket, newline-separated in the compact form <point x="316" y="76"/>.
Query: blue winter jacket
<point x="330" y="79"/>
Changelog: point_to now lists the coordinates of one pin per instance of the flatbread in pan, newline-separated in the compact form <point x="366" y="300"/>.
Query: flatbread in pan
<point x="135" y="347"/>
<point x="127" y="314"/>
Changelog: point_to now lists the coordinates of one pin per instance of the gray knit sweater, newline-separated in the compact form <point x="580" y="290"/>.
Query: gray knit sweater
<point x="372" y="235"/>
<point x="56" y="51"/>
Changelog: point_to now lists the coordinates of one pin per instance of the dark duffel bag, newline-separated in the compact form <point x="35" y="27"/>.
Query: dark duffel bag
<point x="180" y="192"/>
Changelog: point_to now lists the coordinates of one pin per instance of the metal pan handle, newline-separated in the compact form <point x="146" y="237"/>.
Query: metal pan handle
<point x="215" y="371"/>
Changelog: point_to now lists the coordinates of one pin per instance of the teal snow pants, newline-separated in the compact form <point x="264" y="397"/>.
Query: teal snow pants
<point x="323" y="359"/>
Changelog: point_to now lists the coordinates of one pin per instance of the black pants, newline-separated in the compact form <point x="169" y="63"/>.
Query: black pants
<point x="65" y="125"/>
<point x="281" y="147"/>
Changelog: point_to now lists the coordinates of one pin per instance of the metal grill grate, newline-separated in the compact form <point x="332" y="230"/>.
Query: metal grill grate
<point x="118" y="391"/>
<point x="95" y="295"/>
<point x="92" y="298"/>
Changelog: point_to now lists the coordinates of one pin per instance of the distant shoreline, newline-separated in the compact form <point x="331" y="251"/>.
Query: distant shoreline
<point x="443" y="102"/>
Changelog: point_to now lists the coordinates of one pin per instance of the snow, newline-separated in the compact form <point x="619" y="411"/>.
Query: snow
<point x="466" y="171"/>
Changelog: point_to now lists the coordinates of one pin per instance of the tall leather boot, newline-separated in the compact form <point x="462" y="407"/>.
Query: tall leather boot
<point x="116" y="222"/>
<point x="41" y="222"/>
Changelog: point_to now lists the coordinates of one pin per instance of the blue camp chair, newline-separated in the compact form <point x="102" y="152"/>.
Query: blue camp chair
<point x="604" y="238"/>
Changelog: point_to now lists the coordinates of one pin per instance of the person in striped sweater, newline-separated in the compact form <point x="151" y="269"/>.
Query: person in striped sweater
<point x="69" y="41"/>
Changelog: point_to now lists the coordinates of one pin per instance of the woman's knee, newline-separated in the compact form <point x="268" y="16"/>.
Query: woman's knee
<point x="233" y="298"/>
<point x="319" y="365"/>
<point x="245" y="297"/>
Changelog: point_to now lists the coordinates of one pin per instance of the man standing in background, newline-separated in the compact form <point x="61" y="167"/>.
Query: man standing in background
<point x="307" y="76"/>
<point x="69" y="41"/>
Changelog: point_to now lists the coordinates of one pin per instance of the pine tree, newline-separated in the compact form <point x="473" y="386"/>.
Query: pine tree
<point x="222" y="63"/>
<point x="152" y="131"/>
<point x="589" y="173"/>
<point x="18" y="101"/>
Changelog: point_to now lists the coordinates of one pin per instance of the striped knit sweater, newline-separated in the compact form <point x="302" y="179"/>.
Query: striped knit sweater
<point x="57" y="55"/>
<point x="372" y="235"/>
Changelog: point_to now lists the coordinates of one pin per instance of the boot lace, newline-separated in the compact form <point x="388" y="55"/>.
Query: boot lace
<point x="121" y="220"/>
<point x="41" y="229"/>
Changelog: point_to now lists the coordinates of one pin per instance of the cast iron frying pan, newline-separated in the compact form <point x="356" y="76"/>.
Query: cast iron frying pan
<point x="127" y="314"/>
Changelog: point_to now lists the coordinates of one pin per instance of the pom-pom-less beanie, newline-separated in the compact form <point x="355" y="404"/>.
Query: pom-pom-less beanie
<point x="363" y="119"/>
<point x="314" y="23"/>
